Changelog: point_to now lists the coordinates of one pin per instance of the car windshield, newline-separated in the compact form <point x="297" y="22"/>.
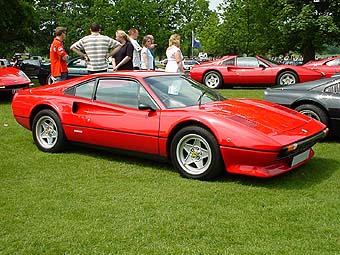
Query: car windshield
<point x="274" y="63"/>
<point x="178" y="91"/>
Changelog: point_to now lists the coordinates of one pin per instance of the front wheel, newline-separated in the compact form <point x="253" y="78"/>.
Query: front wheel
<point x="213" y="80"/>
<point x="47" y="131"/>
<point x="287" y="78"/>
<point x="195" y="153"/>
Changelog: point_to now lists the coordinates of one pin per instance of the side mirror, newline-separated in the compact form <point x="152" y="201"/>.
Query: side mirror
<point x="144" y="107"/>
<point x="262" y="66"/>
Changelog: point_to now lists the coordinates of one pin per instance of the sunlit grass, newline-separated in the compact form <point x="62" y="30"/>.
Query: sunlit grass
<point x="87" y="201"/>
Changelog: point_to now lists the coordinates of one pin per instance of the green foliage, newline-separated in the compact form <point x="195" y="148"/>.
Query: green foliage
<point x="19" y="25"/>
<point x="237" y="27"/>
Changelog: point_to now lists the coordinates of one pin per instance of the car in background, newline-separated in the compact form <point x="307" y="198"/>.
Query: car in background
<point x="241" y="71"/>
<point x="172" y="117"/>
<point x="31" y="67"/>
<point x="318" y="99"/>
<point x="76" y="67"/>
<point x="329" y="66"/>
<point x="4" y="63"/>
<point x="13" y="80"/>
<point x="188" y="63"/>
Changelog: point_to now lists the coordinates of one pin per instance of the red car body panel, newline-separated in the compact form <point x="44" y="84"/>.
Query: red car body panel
<point x="329" y="66"/>
<point x="250" y="133"/>
<point x="12" y="79"/>
<point x="243" y="75"/>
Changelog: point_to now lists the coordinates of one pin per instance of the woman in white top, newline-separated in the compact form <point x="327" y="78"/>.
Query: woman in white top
<point x="174" y="55"/>
<point x="146" y="55"/>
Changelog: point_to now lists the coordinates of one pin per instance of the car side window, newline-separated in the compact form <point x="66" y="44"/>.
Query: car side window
<point x="335" y="88"/>
<point x="119" y="92"/>
<point x="84" y="90"/>
<point x="247" y="62"/>
<point x="229" y="62"/>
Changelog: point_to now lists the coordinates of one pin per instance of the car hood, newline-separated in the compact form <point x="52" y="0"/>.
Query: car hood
<point x="265" y="117"/>
<point x="12" y="76"/>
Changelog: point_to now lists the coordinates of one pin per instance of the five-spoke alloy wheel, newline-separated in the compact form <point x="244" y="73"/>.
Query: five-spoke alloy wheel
<point x="47" y="131"/>
<point x="195" y="153"/>
<point x="213" y="80"/>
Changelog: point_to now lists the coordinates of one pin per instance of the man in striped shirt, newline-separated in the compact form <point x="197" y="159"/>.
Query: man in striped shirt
<point x="95" y="49"/>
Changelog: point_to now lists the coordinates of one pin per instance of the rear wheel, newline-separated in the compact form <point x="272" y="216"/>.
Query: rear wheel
<point x="313" y="111"/>
<point x="213" y="80"/>
<point x="47" y="131"/>
<point x="50" y="79"/>
<point x="195" y="153"/>
<point x="287" y="78"/>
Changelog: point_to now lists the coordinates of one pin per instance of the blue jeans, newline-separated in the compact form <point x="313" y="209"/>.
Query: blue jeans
<point x="63" y="77"/>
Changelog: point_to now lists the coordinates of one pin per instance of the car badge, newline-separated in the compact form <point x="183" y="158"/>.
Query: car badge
<point x="304" y="131"/>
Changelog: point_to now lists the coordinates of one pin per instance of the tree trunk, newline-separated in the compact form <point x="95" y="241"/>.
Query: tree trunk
<point x="308" y="52"/>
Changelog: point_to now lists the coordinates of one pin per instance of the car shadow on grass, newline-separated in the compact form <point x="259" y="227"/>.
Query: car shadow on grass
<point x="124" y="157"/>
<point x="5" y="97"/>
<point x="314" y="172"/>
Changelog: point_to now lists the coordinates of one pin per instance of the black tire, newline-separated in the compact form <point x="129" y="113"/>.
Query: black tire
<point x="287" y="78"/>
<point x="48" y="134"/>
<point x="195" y="153"/>
<point x="49" y="79"/>
<point x="213" y="80"/>
<point x="313" y="111"/>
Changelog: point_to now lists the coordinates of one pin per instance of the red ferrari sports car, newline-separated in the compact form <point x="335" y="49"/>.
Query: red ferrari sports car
<point x="234" y="70"/>
<point x="172" y="117"/>
<point x="329" y="66"/>
<point x="12" y="79"/>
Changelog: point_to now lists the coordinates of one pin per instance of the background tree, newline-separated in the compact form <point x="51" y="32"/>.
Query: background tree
<point x="19" y="24"/>
<point x="238" y="27"/>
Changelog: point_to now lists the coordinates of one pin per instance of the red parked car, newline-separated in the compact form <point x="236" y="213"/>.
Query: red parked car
<point x="12" y="79"/>
<point x="329" y="66"/>
<point x="235" y="70"/>
<point x="172" y="117"/>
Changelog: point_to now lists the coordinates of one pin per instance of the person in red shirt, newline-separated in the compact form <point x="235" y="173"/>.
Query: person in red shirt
<point x="58" y="56"/>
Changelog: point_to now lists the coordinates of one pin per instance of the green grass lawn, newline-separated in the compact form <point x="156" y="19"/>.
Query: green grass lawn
<point x="86" y="201"/>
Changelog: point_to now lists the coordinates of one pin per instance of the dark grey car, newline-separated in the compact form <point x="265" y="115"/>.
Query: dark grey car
<point x="318" y="99"/>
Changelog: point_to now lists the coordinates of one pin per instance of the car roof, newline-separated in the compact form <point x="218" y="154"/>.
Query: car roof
<point x="134" y="74"/>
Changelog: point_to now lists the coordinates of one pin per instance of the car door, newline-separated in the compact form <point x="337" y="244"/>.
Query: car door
<point x="252" y="71"/>
<point x="112" y="118"/>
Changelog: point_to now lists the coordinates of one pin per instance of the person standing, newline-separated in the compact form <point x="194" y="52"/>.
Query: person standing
<point x="174" y="55"/>
<point x="58" y="56"/>
<point x="152" y="50"/>
<point x="133" y="34"/>
<point x="94" y="48"/>
<point x="146" y="56"/>
<point x="122" y="60"/>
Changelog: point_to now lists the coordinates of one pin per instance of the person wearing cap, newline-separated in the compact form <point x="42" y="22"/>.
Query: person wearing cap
<point x="58" y="56"/>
